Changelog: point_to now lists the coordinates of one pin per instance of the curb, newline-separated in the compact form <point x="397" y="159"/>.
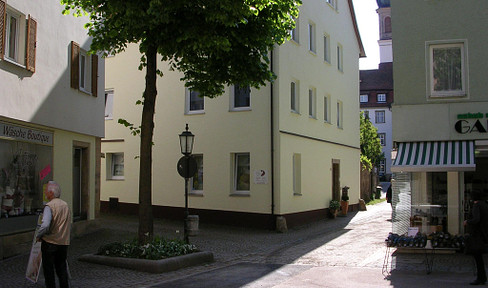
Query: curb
<point x="151" y="266"/>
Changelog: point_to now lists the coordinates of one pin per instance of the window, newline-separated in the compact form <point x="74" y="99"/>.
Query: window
<point x="109" y="104"/>
<point x="339" y="114"/>
<point x="297" y="174"/>
<point x="311" y="37"/>
<point x="194" y="103"/>
<point x="363" y="98"/>
<point x="381" y="98"/>
<point x="326" y="109"/>
<point x="382" y="137"/>
<point x="197" y="179"/>
<point x="294" y="100"/>
<point x="331" y="3"/>
<point x="84" y="70"/>
<point x="294" y="31"/>
<point x="240" y="97"/>
<point x="382" y="166"/>
<point x="387" y="25"/>
<point x="312" y="103"/>
<point x="17" y="37"/>
<point x="447" y="70"/>
<point x="326" y="48"/>
<point x="380" y="116"/>
<point x="339" y="58"/>
<point x="115" y="166"/>
<point x="242" y="170"/>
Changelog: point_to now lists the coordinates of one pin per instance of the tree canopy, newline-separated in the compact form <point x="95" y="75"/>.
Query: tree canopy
<point x="214" y="43"/>
<point x="369" y="142"/>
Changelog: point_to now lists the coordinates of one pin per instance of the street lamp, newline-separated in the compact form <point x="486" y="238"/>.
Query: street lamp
<point x="187" y="167"/>
<point x="186" y="141"/>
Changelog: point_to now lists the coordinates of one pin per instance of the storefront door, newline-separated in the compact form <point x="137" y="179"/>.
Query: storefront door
<point x="80" y="181"/>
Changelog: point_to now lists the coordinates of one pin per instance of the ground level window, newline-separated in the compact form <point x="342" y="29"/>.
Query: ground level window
<point x="242" y="174"/>
<point x="115" y="166"/>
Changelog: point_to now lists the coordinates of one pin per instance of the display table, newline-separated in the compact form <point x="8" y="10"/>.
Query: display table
<point x="429" y="254"/>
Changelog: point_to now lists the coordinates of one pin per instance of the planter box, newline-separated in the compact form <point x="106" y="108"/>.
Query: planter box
<point x="151" y="266"/>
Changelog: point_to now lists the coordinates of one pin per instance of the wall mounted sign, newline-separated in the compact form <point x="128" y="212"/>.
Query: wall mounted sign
<point x="471" y="123"/>
<point x="260" y="177"/>
<point x="25" y="134"/>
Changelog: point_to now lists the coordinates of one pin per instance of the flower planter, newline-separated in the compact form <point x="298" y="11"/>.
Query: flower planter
<point x="344" y="207"/>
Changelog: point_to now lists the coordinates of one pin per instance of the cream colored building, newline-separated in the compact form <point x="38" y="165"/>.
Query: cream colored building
<point x="51" y="120"/>
<point x="283" y="150"/>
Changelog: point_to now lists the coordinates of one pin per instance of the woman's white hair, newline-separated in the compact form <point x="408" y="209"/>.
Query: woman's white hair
<point x="54" y="187"/>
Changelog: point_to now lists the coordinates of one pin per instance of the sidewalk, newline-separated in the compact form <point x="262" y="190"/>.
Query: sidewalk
<point x="342" y="252"/>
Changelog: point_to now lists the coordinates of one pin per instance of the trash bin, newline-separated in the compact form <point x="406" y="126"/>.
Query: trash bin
<point x="378" y="192"/>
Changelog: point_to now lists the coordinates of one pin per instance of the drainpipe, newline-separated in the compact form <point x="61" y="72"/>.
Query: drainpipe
<point x="273" y="225"/>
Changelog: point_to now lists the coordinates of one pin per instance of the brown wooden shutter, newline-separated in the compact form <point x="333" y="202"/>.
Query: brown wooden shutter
<point x="30" y="56"/>
<point x="3" y="19"/>
<point x="94" y="75"/>
<point x="75" y="65"/>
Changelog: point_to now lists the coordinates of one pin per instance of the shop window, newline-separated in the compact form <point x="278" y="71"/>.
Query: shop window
<point x="197" y="179"/>
<point x="195" y="104"/>
<point x="84" y="70"/>
<point x="25" y="168"/>
<point x="240" y="97"/>
<point x="17" y="37"/>
<point x="242" y="170"/>
<point x="115" y="166"/>
<point x="447" y="69"/>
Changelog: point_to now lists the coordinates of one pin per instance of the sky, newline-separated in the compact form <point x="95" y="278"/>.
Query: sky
<point x="368" y="23"/>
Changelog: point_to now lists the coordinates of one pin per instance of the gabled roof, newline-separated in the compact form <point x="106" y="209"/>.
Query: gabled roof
<point x="362" y="53"/>
<point x="377" y="79"/>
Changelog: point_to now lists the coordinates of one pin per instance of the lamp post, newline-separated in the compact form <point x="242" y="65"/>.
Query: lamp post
<point x="187" y="167"/>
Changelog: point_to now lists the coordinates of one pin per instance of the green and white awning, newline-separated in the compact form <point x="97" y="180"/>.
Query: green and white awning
<point x="434" y="156"/>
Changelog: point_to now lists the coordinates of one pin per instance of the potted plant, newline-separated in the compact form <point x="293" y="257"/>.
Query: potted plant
<point x="333" y="208"/>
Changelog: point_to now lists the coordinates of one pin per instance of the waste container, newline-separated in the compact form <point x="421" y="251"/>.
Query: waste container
<point x="378" y="192"/>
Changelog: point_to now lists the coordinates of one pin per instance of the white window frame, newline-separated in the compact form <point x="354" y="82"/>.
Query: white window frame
<point x="332" y="3"/>
<point x="382" y="137"/>
<point x="327" y="48"/>
<point x="235" y="173"/>
<point x="85" y="71"/>
<point x="430" y="47"/>
<point x="327" y="109"/>
<point x="19" y="37"/>
<point x="200" y="170"/>
<point x="188" y="103"/>
<point x="297" y="173"/>
<point x="381" y="98"/>
<point x="109" y="104"/>
<point x="340" y="58"/>
<point x="294" y="97"/>
<point x="382" y="169"/>
<point x="363" y="98"/>
<point x="339" y="115"/>
<point x="232" y="100"/>
<point x="111" y="163"/>
<point x="311" y="38"/>
<point x="378" y="118"/>
<point x="312" y="103"/>
<point x="294" y="35"/>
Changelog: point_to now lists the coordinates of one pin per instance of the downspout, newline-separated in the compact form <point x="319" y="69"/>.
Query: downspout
<point x="273" y="224"/>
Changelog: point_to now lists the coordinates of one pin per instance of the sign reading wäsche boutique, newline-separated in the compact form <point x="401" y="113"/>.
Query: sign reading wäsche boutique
<point x="25" y="134"/>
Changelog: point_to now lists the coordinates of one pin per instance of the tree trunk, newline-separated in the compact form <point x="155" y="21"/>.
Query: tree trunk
<point x="145" y="233"/>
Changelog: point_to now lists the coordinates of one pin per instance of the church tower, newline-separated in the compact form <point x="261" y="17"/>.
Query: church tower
<point x="384" y="14"/>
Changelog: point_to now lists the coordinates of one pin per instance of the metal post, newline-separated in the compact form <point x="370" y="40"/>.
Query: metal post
<point x="187" y="241"/>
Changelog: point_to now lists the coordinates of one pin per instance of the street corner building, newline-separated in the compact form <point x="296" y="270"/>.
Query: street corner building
<point x="51" y="118"/>
<point x="285" y="149"/>
<point x="439" y="113"/>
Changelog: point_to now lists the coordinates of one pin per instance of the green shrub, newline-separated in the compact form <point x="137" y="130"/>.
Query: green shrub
<point x="159" y="248"/>
<point x="334" y="205"/>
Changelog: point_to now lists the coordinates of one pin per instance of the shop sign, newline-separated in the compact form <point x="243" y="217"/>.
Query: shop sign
<point x="25" y="134"/>
<point x="471" y="123"/>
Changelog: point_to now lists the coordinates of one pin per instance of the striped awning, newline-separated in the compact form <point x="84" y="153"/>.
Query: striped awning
<point x="434" y="156"/>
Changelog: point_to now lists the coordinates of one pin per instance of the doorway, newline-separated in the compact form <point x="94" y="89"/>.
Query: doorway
<point x="336" y="185"/>
<point x="80" y="181"/>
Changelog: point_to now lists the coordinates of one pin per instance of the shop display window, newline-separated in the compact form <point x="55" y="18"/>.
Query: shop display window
<point x="420" y="200"/>
<point x="24" y="170"/>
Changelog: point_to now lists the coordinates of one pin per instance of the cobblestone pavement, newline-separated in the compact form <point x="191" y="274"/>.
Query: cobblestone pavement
<point x="355" y="242"/>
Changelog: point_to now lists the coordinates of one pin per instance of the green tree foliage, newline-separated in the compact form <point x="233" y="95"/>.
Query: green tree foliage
<point x="212" y="43"/>
<point x="370" y="144"/>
